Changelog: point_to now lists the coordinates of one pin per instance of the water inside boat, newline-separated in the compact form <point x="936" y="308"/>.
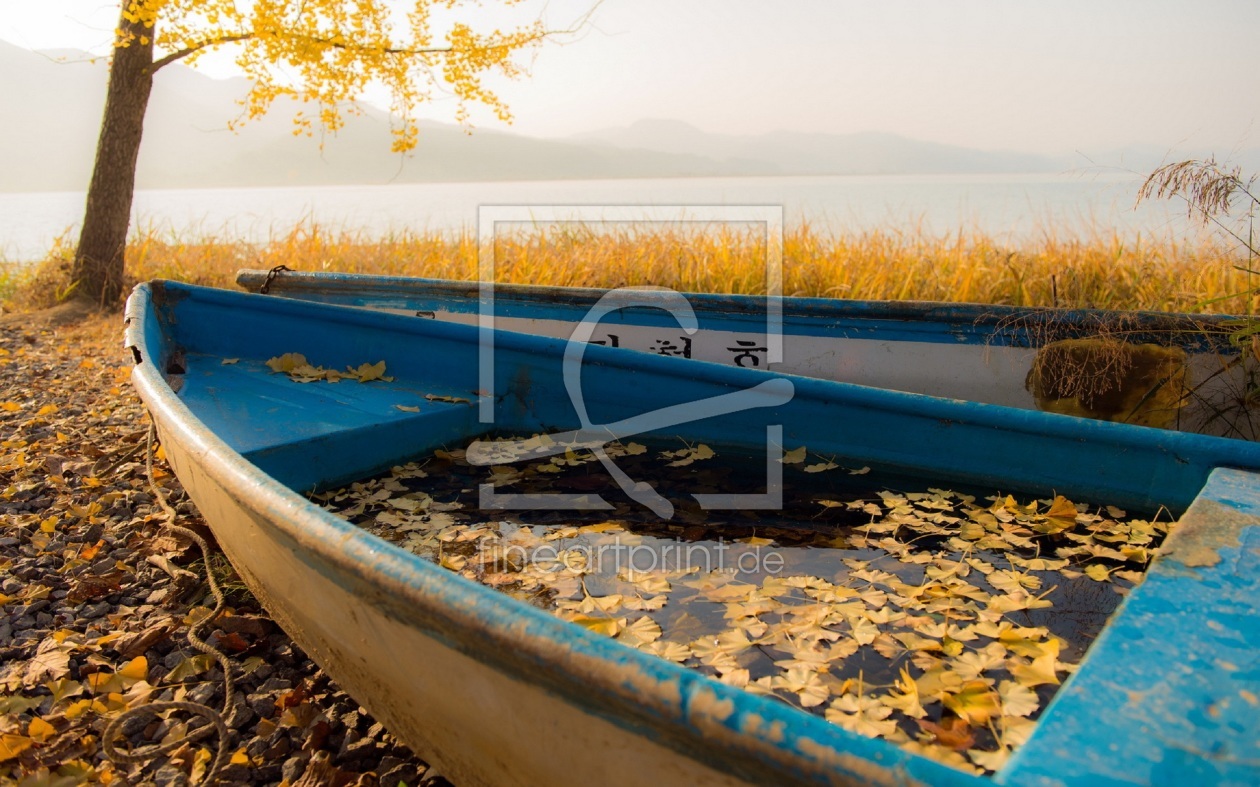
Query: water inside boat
<point x="942" y="619"/>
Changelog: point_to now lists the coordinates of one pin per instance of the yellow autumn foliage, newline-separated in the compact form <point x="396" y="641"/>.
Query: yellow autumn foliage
<point x="326" y="53"/>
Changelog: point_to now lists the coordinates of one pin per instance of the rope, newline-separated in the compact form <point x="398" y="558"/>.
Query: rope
<point x="217" y="723"/>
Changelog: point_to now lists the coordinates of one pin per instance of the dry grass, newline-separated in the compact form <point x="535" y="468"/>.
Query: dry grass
<point x="1103" y="272"/>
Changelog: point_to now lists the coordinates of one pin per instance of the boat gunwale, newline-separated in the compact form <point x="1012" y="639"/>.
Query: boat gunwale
<point x="1012" y="323"/>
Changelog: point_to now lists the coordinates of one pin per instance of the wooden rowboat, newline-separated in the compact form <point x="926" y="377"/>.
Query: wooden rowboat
<point x="492" y="690"/>
<point x="1175" y="371"/>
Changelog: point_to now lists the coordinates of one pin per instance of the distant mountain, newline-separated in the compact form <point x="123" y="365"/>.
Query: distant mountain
<point x="54" y="104"/>
<point x="54" y="101"/>
<point x="791" y="152"/>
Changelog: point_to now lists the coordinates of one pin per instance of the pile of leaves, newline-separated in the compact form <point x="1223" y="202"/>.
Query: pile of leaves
<point x="96" y="596"/>
<point x="939" y="620"/>
<point x="300" y="370"/>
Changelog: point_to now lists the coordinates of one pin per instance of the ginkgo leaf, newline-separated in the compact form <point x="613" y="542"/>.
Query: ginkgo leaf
<point x="738" y="677"/>
<point x="367" y="372"/>
<point x="806" y="684"/>
<point x="1098" y="572"/>
<point x="670" y="651"/>
<point x="728" y="643"/>
<point x="1017" y="700"/>
<point x="820" y="467"/>
<point x="641" y="631"/>
<point x="991" y="760"/>
<point x="1059" y="517"/>
<point x="864" y="715"/>
<point x="12" y="745"/>
<point x="811" y="658"/>
<point x="975" y="702"/>
<point x="609" y="627"/>
<point x="1013" y="581"/>
<point x="971" y="531"/>
<point x="794" y="457"/>
<point x="1037" y="564"/>
<point x="640" y="603"/>
<point x="1015" y="731"/>
<point x="40" y="731"/>
<point x="287" y="362"/>
<point x="135" y="670"/>
<point x="687" y="456"/>
<point x="448" y="399"/>
<point x="17" y="704"/>
<point x="1040" y="670"/>
<point x="906" y="697"/>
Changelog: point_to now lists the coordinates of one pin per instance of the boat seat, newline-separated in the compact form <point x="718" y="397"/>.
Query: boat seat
<point x="334" y="432"/>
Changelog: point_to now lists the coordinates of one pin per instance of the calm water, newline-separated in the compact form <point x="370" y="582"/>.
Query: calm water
<point x="1008" y="207"/>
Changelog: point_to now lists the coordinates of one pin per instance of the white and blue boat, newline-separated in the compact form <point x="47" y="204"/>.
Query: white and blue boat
<point x="492" y="690"/>
<point x="1178" y="371"/>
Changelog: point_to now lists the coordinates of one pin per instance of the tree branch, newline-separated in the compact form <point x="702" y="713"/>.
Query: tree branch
<point x="183" y="53"/>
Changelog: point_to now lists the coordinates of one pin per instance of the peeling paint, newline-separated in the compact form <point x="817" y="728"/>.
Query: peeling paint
<point x="705" y="703"/>
<point x="1207" y="528"/>
<point x="861" y="771"/>
<point x="752" y="724"/>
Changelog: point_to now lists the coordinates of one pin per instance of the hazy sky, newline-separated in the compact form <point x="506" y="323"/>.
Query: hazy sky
<point x="1053" y="77"/>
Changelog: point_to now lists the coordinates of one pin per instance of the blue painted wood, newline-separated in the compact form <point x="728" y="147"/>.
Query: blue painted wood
<point x="1184" y="644"/>
<point x="1170" y="693"/>
<point x="946" y="323"/>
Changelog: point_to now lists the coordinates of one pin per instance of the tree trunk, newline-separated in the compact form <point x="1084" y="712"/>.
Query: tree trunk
<point x="98" y="264"/>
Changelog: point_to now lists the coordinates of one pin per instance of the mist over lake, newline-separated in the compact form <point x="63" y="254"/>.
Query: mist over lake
<point x="1009" y="208"/>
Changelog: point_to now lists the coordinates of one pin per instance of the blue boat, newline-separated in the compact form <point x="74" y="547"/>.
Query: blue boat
<point x="492" y="690"/>
<point x="1177" y="371"/>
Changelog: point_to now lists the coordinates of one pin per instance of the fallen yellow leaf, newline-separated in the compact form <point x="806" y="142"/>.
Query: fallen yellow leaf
<point x="12" y="745"/>
<point x="793" y="457"/>
<point x="287" y="362"/>
<point x="975" y="702"/>
<point x="40" y="731"/>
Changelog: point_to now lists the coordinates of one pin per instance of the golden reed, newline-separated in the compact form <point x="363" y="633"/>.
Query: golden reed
<point x="1102" y="271"/>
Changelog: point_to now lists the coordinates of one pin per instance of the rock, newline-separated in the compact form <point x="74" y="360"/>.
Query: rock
<point x="276" y="684"/>
<point x="170" y="776"/>
<point x="294" y="767"/>
<point x="262" y="704"/>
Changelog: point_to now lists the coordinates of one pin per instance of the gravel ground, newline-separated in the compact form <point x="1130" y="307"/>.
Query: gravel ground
<point x="97" y="597"/>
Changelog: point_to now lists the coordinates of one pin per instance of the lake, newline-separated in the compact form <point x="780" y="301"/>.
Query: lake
<point x="1010" y="208"/>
